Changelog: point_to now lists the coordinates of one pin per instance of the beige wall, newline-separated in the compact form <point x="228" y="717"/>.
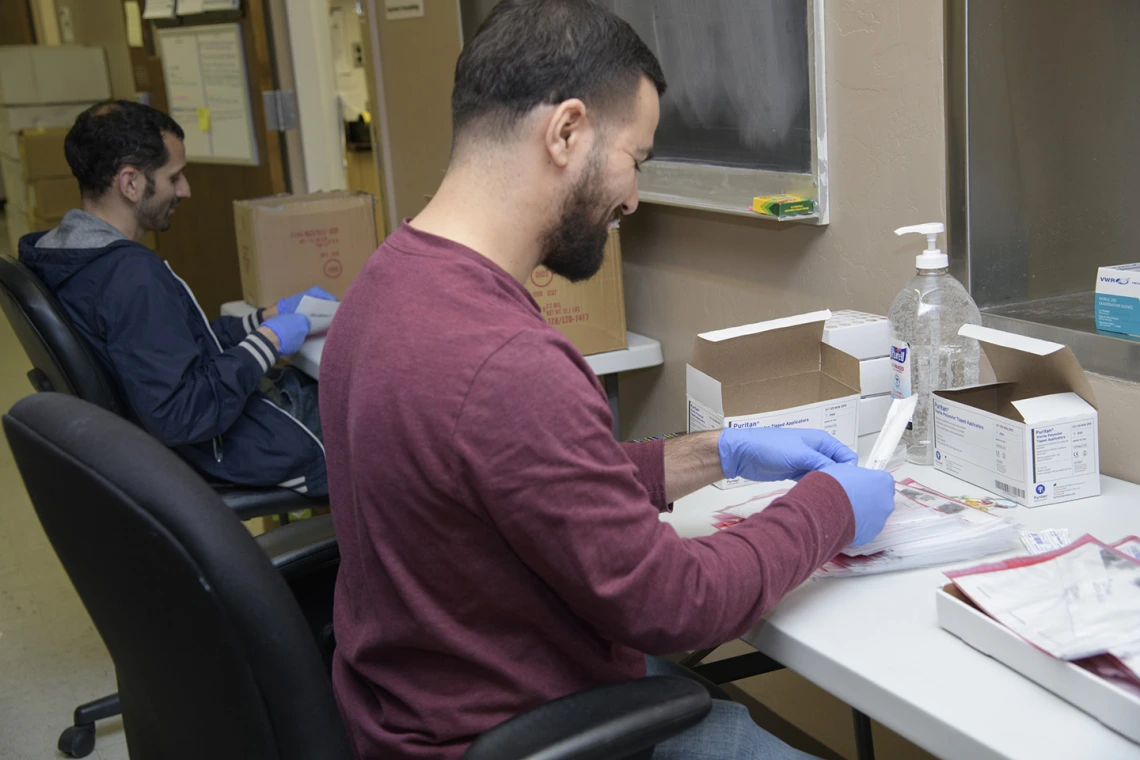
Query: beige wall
<point x="1119" y="405"/>
<point x="687" y="271"/>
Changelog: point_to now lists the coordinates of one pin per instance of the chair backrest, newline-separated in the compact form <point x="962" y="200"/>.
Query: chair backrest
<point x="61" y="359"/>
<point x="212" y="653"/>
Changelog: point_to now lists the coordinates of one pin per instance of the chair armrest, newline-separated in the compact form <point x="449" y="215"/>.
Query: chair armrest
<point x="301" y="547"/>
<point x="247" y="502"/>
<point x="604" y="723"/>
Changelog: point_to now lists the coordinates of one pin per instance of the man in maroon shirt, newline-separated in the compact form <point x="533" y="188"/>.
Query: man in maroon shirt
<point x="499" y="548"/>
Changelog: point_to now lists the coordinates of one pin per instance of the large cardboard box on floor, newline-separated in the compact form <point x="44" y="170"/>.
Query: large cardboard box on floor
<point x="287" y="243"/>
<point x="590" y="313"/>
<point x="1032" y="435"/>
<point x="773" y="374"/>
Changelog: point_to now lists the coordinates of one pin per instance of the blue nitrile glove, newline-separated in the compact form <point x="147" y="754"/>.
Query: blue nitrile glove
<point x="289" y="304"/>
<point x="291" y="330"/>
<point x="778" y="453"/>
<point x="872" y="496"/>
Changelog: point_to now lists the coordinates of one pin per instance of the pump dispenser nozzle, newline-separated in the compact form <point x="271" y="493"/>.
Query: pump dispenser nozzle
<point x="932" y="257"/>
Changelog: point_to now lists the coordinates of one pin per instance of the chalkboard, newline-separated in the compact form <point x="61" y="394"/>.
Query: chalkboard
<point x="738" y="80"/>
<point x="744" y="112"/>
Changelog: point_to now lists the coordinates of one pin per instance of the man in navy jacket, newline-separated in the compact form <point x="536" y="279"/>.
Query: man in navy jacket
<point x="207" y="389"/>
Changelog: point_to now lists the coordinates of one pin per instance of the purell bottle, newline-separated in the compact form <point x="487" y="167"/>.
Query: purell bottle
<point x="927" y="353"/>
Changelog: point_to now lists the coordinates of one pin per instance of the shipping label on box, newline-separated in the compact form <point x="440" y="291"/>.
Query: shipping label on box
<point x="1032" y="435"/>
<point x="1118" y="299"/>
<point x="773" y="374"/>
<point x="590" y="313"/>
<point x="287" y="244"/>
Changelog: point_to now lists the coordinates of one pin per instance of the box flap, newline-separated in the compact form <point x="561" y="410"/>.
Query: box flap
<point x="761" y="351"/>
<point x="1055" y="406"/>
<point x="994" y="398"/>
<point x="704" y="389"/>
<point x="1037" y="367"/>
<point x="289" y="203"/>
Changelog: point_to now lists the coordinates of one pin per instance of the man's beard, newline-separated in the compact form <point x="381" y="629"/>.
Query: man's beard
<point x="575" y="246"/>
<point x="152" y="215"/>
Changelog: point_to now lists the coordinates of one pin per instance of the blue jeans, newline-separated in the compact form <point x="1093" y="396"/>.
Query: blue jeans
<point x="296" y="393"/>
<point x="727" y="733"/>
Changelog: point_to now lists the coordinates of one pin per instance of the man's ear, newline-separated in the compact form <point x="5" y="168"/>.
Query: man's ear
<point x="567" y="131"/>
<point x="131" y="183"/>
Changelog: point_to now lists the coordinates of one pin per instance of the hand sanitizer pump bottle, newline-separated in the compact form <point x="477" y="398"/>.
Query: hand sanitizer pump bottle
<point x="927" y="353"/>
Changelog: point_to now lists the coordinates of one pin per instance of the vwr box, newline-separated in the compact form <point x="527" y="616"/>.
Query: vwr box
<point x="773" y="374"/>
<point x="1118" y="299"/>
<point x="1032" y="435"/>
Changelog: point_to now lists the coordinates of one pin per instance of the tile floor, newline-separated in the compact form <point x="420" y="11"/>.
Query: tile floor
<point x="51" y="657"/>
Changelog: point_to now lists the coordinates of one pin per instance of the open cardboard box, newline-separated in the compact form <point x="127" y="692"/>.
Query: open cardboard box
<point x="1111" y="705"/>
<point x="1032" y="435"/>
<point x="778" y="373"/>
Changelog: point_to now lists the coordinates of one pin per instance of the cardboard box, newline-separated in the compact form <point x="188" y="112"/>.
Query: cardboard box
<point x="1032" y="435"/>
<point x="14" y="188"/>
<point x="1111" y="705"/>
<point x="873" y="413"/>
<point x="863" y="335"/>
<point x="53" y="197"/>
<point x="41" y="154"/>
<point x="287" y="243"/>
<point x="17" y="119"/>
<point x="1118" y="299"/>
<point x="37" y="74"/>
<point x="773" y="374"/>
<point x="591" y="313"/>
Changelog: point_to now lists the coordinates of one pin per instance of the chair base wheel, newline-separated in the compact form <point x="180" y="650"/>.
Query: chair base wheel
<point x="78" y="741"/>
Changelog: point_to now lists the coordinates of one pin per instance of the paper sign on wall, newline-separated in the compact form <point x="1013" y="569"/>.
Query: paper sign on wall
<point x="159" y="9"/>
<point x="394" y="10"/>
<point x="207" y="86"/>
<point x="134" y="23"/>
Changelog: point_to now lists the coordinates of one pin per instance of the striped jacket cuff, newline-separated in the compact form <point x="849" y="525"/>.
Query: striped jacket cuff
<point x="261" y="349"/>
<point x="252" y="320"/>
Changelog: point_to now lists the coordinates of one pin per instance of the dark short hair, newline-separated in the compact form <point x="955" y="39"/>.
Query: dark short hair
<point x="534" y="52"/>
<point x="108" y="136"/>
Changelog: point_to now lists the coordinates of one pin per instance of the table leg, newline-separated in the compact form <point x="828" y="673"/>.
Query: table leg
<point x="864" y="745"/>
<point x="611" y="383"/>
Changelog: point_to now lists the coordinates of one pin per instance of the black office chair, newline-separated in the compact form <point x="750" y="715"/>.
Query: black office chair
<point x="213" y="655"/>
<point x="62" y="361"/>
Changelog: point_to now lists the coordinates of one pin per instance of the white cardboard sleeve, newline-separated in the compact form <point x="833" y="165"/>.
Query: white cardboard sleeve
<point x="862" y="335"/>
<point x="1032" y="435"/>
<point x="873" y="413"/>
<point x="773" y="374"/>
<point x="1111" y="705"/>
<point x="875" y="376"/>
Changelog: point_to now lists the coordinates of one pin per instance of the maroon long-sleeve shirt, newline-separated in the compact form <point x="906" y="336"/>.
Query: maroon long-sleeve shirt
<point x="499" y="549"/>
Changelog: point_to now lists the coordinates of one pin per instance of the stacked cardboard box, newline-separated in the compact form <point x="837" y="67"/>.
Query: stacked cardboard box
<point x="590" y="313"/>
<point x="867" y="338"/>
<point x="42" y="88"/>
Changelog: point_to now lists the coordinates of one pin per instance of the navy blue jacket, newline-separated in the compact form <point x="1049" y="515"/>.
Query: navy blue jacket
<point x="191" y="383"/>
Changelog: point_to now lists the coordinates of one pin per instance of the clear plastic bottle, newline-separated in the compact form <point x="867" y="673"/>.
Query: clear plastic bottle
<point x="927" y="353"/>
